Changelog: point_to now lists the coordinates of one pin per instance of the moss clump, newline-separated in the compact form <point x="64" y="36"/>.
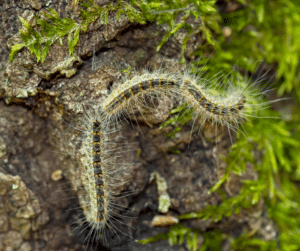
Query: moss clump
<point x="50" y="27"/>
<point x="168" y="12"/>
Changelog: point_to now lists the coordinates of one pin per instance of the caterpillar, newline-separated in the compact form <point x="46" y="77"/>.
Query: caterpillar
<point x="118" y="100"/>
<point x="97" y="167"/>
<point x="228" y="109"/>
<point x="100" y="211"/>
<point x="102" y="176"/>
<point x="132" y="94"/>
<point x="219" y="110"/>
<point x="94" y="171"/>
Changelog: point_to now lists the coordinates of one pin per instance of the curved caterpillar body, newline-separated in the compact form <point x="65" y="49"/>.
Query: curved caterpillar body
<point x="218" y="109"/>
<point x="225" y="110"/>
<point x="229" y="109"/>
<point x="119" y="99"/>
<point x="133" y="92"/>
<point x="212" y="107"/>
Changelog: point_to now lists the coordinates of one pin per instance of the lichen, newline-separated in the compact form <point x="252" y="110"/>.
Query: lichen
<point x="164" y="200"/>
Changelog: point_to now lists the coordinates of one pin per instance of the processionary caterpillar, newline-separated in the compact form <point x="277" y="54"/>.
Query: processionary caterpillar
<point x="229" y="109"/>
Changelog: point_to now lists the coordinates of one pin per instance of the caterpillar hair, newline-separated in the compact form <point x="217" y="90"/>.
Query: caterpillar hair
<point x="228" y="107"/>
<point x="99" y="167"/>
<point x="133" y="92"/>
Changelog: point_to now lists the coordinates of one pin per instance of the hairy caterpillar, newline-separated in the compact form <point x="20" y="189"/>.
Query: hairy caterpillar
<point x="118" y="100"/>
<point x="228" y="109"/>
<point x="100" y="196"/>
<point x="132" y="94"/>
<point x="100" y="175"/>
<point x="218" y="110"/>
<point x="94" y="165"/>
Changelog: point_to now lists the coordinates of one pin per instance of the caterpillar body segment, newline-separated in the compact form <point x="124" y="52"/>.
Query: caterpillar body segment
<point x="120" y="98"/>
<point x="101" y="193"/>
<point x="223" y="109"/>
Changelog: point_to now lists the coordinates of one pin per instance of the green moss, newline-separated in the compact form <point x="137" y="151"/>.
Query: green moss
<point x="249" y="242"/>
<point x="46" y="33"/>
<point x="168" y="11"/>
<point x="177" y="235"/>
<point x="260" y="30"/>
<point x="50" y="27"/>
<point x="174" y="151"/>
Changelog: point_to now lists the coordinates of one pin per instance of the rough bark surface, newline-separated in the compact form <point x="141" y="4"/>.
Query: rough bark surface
<point x="39" y="209"/>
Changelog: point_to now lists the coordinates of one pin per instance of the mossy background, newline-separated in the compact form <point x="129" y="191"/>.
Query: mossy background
<point x="237" y="34"/>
